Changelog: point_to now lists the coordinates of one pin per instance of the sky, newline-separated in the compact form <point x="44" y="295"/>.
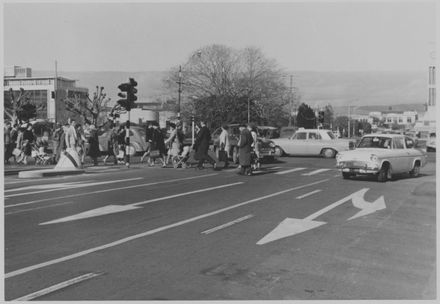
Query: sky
<point x="154" y="36"/>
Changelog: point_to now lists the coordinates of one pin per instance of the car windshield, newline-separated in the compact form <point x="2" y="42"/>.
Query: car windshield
<point x="331" y="135"/>
<point x="375" y="142"/>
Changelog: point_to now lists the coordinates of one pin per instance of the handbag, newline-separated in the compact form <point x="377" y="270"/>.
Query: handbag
<point x="222" y="156"/>
<point x="16" y="152"/>
<point x="154" y="153"/>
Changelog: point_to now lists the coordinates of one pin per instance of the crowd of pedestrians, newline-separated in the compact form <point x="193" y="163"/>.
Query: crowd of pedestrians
<point x="20" y="141"/>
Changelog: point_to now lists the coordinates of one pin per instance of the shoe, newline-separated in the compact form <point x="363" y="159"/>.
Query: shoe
<point x="214" y="166"/>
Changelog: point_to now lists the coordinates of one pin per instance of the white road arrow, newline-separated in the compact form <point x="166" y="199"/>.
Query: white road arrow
<point x="292" y="226"/>
<point x="120" y="208"/>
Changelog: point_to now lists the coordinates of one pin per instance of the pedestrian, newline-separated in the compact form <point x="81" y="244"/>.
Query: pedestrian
<point x="81" y="142"/>
<point x="158" y="145"/>
<point x="121" y="144"/>
<point x="28" y="141"/>
<point x="174" y="143"/>
<point x="148" y="139"/>
<point x="201" y="146"/>
<point x="93" y="150"/>
<point x="14" y="135"/>
<point x="71" y="136"/>
<point x="224" y="145"/>
<point x="255" y="147"/>
<point x="244" y="145"/>
<point x="112" y="145"/>
<point x="56" y="140"/>
<point x="7" y="141"/>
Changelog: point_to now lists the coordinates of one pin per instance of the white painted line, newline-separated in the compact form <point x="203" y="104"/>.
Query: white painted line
<point x="337" y="175"/>
<point x="241" y="219"/>
<point x="37" y="208"/>
<point x="150" y="232"/>
<point x="46" y="186"/>
<point x="308" y="194"/>
<point x="74" y="186"/>
<point x="121" y="208"/>
<point x="289" y="171"/>
<point x="315" y="172"/>
<point x="112" y="189"/>
<point x="57" y="287"/>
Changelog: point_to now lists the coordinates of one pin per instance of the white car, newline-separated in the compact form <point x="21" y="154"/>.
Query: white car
<point x="383" y="155"/>
<point x="313" y="142"/>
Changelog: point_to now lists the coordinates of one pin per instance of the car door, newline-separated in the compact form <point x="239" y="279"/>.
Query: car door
<point x="314" y="143"/>
<point x="400" y="157"/>
<point x="297" y="143"/>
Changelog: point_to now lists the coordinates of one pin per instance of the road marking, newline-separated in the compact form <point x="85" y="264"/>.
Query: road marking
<point x="151" y="232"/>
<point x="289" y="171"/>
<point x="241" y="219"/>
<point x="292" y="226"/>
<point x="45" y="186"/>
<point x="315" y="172"/>
<point x="308" y="194"/>
<point x="109" y="209"/>
<point x="37" y="208"/>
<point x="57" y="287"/>
<point x="74" y="186"/>
<point x="107" y="190"/>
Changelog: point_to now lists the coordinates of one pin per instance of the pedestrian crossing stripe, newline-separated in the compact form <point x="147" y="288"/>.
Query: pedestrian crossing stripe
<point x="315" y="172"/>
<point x="289" y="171"/>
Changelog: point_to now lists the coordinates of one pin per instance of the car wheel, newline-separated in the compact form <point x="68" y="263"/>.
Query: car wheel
<point x="384" y="174"/>
<point x="346" y="175"/>
<point x="279" y="151"/>
<point x="415" y="171"/>
<point x="328" y="153"/>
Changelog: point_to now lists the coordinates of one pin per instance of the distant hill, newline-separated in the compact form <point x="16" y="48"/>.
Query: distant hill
<point x="378" y="88"/>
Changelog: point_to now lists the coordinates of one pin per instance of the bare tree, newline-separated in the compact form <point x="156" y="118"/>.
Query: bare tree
<point x="89" y="109"/>
<point x="19" y="106"/>
<point x="219" y="82"/>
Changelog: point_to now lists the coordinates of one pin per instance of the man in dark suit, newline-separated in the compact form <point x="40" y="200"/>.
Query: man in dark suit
<point x="201" y="146"/>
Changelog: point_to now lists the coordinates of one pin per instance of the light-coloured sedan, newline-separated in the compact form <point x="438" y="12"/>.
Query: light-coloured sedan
<point x="137" y="141"/>
<point x="312" y="142"/>
<point x="383" y="155"/>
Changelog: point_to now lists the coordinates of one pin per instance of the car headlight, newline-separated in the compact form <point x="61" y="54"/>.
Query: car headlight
<point x="374" y="158"/>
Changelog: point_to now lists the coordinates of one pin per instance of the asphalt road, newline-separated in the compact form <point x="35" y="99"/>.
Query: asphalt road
<point x="295" y="230"/>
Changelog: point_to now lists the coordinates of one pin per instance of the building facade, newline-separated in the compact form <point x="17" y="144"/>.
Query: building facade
<point x="426" y="125"/>
<point x="47" y="93"/>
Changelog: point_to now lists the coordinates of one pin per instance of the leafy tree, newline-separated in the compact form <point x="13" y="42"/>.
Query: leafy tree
<point x="306" y="117"/>
<point x="328" y="116"/>
<point x="219" y="83"/>
<point x="89" y="109"/>
<point x="341" y="124"/>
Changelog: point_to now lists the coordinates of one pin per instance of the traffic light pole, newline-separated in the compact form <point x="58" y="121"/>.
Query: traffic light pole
<point x="127" y="141"/>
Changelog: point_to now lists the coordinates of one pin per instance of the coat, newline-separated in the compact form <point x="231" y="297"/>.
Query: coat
<point x="158" y="141"/>
<point x="93" y="144"/>
<point x="201" y="143"/>
<point x="245" y="147"/>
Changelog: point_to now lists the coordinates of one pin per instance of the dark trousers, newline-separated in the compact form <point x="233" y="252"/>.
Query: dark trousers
<point x="207" y="158"/>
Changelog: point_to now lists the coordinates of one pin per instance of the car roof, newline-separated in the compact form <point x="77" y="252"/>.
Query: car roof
<point x="384" y="135"/>
<point x="267" y="127"/>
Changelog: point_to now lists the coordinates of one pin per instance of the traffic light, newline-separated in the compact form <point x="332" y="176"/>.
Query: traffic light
<point x="321" y="116"/>
<point x="128" y="94"/>
<point x="132" y="93"/>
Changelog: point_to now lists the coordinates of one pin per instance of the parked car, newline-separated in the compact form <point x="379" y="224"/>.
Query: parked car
<point x="268" y="132"/>
<point x="287" y="132"/>
<point x="312" y="142"/>
<point x="137" y="140"/>
<point x="382" y="155"/>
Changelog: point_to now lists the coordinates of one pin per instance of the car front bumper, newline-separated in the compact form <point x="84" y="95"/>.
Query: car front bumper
<point x="358" y="167"/>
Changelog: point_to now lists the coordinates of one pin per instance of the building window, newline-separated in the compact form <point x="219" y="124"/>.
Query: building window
<point x="408" y="119"/>
<point x="400" y="119"/>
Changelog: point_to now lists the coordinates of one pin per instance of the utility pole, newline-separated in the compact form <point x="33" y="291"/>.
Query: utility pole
<point x="55" y="89"/>
<point x="179" y="92"/>
<point x="291" y="101"/>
